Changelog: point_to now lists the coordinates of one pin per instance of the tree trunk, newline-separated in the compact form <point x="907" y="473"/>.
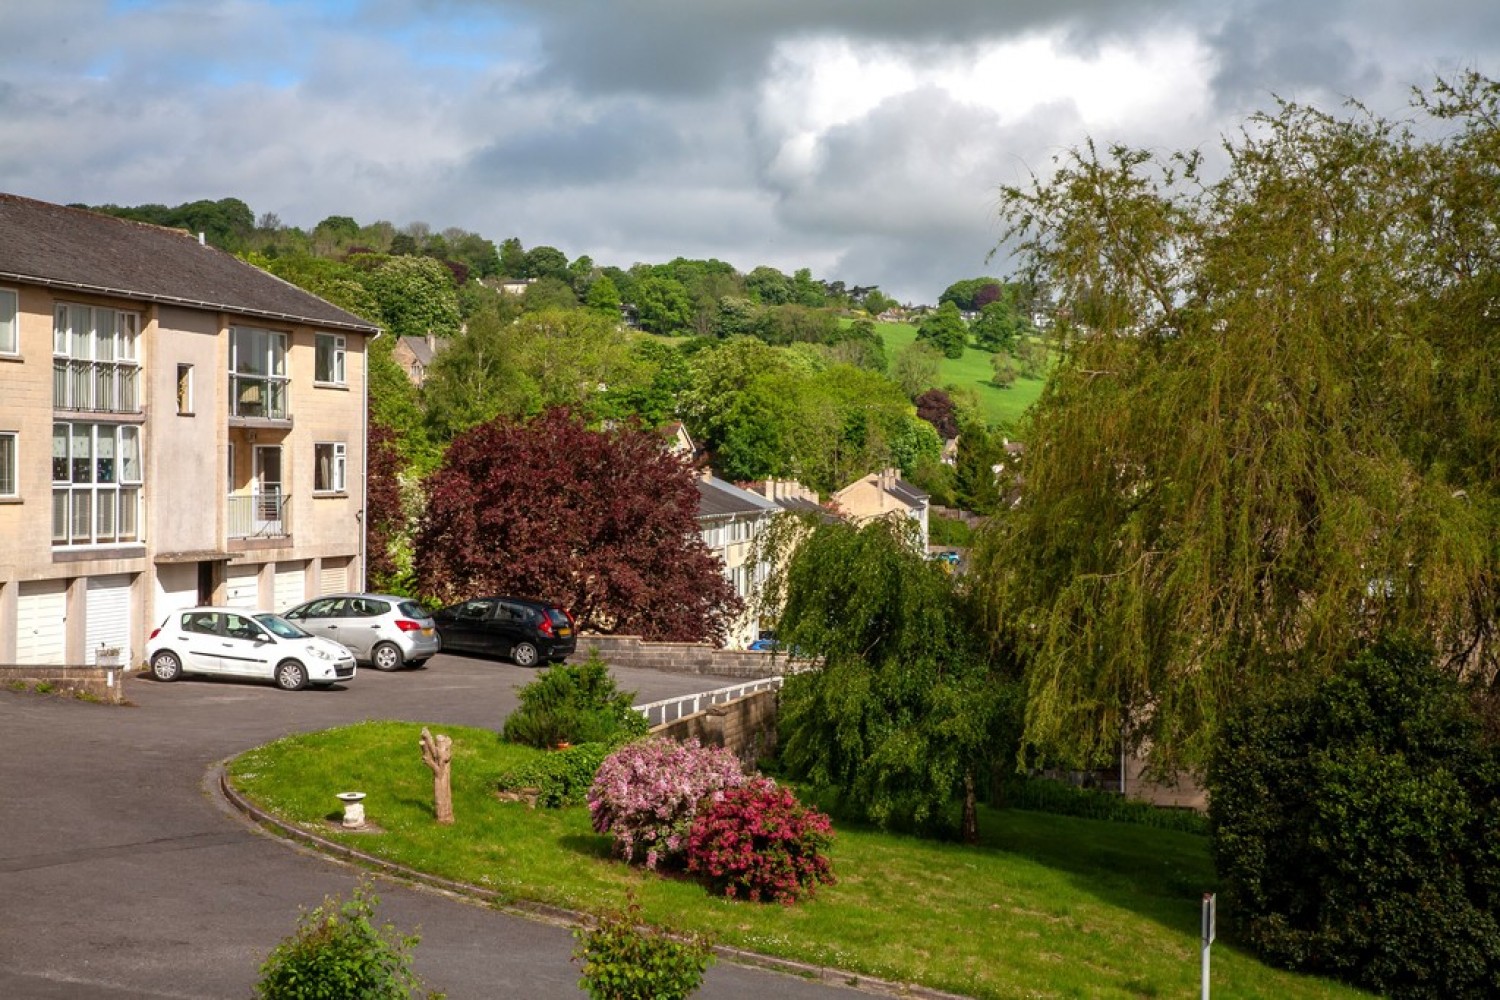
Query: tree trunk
<point x="437" y="754"/>
<point x="970" y="831"/>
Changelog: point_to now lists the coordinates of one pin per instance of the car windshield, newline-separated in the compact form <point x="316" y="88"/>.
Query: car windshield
<point x="412" y="609"/>
<point x="279" y="626"/>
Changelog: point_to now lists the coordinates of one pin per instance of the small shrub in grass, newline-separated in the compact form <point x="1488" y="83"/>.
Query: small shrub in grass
<point x="646" y="794"/>
<point x="623" y="959"/>
<point x="574" y="703"/>
<point x="562" y="778"/>
<point x="758" y="842"/>
<point x="339" y="952"/>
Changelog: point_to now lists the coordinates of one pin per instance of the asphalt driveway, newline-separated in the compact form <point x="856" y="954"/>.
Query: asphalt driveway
<point x="123" y="876"/>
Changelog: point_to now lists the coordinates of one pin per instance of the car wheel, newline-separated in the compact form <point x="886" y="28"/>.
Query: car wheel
<point x="290" y="675"/>
<point x="524" y="655"/>
<point x="386" y="657"/>
<point x="165" y="666"/>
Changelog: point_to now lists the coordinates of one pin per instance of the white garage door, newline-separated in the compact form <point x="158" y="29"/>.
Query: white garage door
<point x="291" y="584"/>
<point x="41" y="622"/>
<point x="176" y="588"/>
<point x="242" y="587"/>
<point x="334" y="579"/>
<point x="107" y="616"/>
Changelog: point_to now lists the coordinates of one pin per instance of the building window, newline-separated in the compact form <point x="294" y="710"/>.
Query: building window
<point x="257" y="379"/>
<point x="8" y="465"/>
<point x="94" y="362"/>
<point x="96" y="484"/>
<point x="185" y="389"/>
<point x="329" y="363"/>
<point x="328" y="474"/>
<point x="10" y="337"/>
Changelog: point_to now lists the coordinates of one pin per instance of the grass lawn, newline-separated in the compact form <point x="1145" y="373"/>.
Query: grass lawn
<point x="972" y="371"/>
<point x="1047" y="906"/>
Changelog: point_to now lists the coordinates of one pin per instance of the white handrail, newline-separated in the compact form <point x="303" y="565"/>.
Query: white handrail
<point x="702" y="700"/>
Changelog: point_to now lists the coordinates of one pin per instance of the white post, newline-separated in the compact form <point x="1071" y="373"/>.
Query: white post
<point x="1208" y="935"/>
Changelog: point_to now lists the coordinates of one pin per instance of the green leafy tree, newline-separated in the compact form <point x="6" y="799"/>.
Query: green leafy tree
<point x="417" y="295"/>
<point x="1354" y="823"/>
<point x="603" y="297"/>
<point x="907" y="714"/>
<point x="973" y="294"/>
<point x="548" y="293"/>
<point x="1004" y="370"/>
<point x="945" y="330"/>
<point x="999" y="327"/>
<point x="915" y="368"/>
<point x="512" y="259"/>
<point x="1273" y="433"/>
<point x="662" y="305"/>
<point x="768" y="286"/>
<point x="547" y="262"/>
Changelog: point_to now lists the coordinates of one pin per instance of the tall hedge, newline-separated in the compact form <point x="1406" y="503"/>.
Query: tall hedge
<point x="1356" y="829"/>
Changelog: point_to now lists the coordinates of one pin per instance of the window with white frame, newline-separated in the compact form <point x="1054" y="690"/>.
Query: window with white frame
<point x="257" y="373"/>
<point x="94" y="361"/>
<point x="10" y="332"/>
<point x="328" y="472"/>
<point x="328" y="364"/>
<point x="9" y="485"/>
<point x="96" y="483"/>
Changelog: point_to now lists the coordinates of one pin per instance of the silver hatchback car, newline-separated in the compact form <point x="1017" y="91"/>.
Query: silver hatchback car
<point x="383" y="630"/>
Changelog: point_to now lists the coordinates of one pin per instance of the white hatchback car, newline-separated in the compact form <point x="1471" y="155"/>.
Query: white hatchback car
<point x="230" y="642"/>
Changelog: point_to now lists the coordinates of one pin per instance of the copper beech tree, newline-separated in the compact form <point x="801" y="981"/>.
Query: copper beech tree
<point x="602" y="522"/>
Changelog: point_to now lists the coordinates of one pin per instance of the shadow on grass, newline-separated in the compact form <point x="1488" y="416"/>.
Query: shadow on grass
<point x="595" y="846"/>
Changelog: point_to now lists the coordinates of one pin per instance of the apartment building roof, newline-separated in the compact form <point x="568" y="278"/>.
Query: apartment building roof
<point x="717" y="498"/>
<point x="73" y="248"/>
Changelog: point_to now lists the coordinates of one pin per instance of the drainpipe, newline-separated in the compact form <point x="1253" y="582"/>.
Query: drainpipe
<point x="364" y="479"/>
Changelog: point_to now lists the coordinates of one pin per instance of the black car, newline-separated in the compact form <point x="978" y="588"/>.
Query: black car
<point x="528" y="632"/>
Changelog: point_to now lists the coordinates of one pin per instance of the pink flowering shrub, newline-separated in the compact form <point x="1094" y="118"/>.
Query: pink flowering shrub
<point x="647" y="792"/>
<point x="758" y="841"/>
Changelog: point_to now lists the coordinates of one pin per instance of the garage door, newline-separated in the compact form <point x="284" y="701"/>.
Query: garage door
<point x="176" y="588"/>
<point x="291" y="584"/>
<point x="242" y="587"/>
<point x="334" y="579"/>
<point x="107" y="616"/>
<point x="41" y="622"/>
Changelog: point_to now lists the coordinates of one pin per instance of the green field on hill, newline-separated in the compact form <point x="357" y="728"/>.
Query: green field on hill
<point x="972" y="371"/>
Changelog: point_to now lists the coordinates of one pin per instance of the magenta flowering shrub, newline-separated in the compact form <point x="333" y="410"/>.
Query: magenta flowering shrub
<point x="759" y="842"/>
<point x="646" y="794"/>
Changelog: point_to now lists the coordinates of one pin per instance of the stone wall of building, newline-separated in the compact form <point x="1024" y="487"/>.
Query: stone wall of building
<point x="747" y="726"/>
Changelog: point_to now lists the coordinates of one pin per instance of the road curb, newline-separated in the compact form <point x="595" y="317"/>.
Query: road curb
<point x="218" y="781"/>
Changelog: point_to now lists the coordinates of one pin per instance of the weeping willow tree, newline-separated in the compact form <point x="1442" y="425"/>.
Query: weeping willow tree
<point x="1275" y="430"/>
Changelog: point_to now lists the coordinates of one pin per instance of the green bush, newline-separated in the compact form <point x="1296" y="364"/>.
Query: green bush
<point x="561" y="778"/>
<point x="950" y="531"/>
<point x="339" y="952"/>
<point x="574" y="703"/>
<point x="1063" y="799"/>
<point x="623" y="959"/>
<point x="1356" y="829"/>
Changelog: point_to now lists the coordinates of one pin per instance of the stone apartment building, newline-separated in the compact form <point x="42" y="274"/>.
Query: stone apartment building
<point x="176" y="427"/>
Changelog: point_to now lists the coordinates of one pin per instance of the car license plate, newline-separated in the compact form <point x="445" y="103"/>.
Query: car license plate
<point x="427" y="631"/>
<point x="564" y="632"/>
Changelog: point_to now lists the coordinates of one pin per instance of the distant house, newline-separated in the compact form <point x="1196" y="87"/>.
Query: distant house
<point x="730" y="520"/>
<point x="883" y="493"/>
<point x="515" y="286"/>
<point x="415" y="354"/>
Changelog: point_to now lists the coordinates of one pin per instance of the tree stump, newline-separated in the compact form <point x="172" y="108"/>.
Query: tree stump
<point x="437" y="754"/>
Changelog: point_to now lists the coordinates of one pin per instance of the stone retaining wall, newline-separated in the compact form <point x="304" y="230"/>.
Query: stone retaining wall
<point x="680" y="657"/>
<point x="104" y="684"/>
<point x="746" y="726"/>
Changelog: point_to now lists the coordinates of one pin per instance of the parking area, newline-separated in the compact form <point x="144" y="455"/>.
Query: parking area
<point x="122" y="877"/>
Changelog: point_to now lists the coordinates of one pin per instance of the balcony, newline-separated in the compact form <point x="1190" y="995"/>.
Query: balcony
<point x="96" y="386"/>
<point x="259" y="515"/>
<point x="259" y="398"/>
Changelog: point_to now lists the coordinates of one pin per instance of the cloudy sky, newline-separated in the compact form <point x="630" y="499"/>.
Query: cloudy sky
<point x="864" y="139"/>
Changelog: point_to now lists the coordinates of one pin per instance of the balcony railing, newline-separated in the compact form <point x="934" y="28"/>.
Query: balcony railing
<point x="258" y="396"/>
<point x="96" y="386"/>
<point x="259" y="515"/>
